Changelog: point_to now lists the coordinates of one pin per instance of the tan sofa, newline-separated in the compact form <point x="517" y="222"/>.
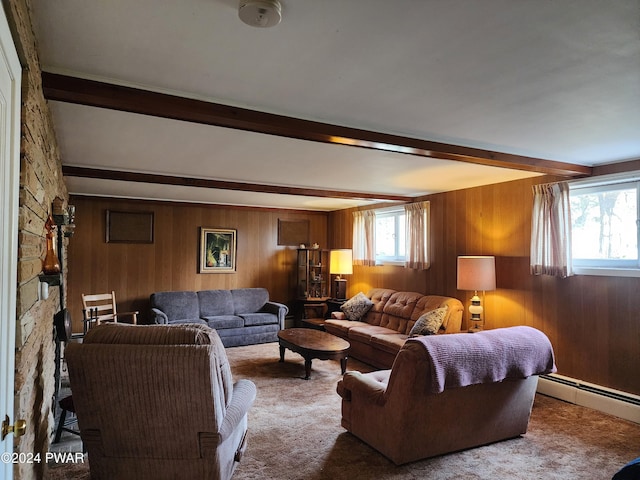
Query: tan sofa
<point x="381" y="333"/>
<point x="447" y="393"/>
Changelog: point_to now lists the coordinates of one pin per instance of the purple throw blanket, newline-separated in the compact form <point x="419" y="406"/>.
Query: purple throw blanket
<point x="489" y="356"/>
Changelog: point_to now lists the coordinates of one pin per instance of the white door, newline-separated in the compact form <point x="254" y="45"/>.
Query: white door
<point x="10" y="74"/>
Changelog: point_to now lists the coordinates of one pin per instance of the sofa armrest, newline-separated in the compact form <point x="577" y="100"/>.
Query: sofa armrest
<point x="278" y="309"/>
<point x="244" y="394"/>
<point x="364" y="385"/>
<point x="338" y="315"/>
<point x="159" y="317"/>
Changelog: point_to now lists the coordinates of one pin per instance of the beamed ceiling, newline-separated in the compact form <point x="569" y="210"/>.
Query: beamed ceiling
<point x="343" y="103"/>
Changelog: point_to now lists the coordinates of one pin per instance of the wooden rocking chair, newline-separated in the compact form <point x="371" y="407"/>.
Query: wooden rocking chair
<point x="101" y="307"/>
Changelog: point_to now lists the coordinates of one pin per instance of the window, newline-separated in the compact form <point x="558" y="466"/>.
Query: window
<point x="604" y="226"/>
<point x="390" y="236"/>
<point x="395" y="235"/>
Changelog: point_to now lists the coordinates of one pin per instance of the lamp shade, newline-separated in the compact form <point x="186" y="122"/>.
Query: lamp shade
<point x="341" y="262"/>
<point x="476" y="273"/>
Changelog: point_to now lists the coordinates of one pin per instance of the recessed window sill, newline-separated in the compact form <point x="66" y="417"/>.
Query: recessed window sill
<point x="396" y="263"/>
<point x="607" y="272"/>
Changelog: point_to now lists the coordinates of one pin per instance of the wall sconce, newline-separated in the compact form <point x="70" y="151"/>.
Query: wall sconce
<point x="64" y="217"/>
<point x="476" y="273"/>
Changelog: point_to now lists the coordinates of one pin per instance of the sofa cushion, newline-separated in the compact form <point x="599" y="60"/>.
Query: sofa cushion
<point x="389" y="342"/>
<point x="398" y="309"/>
<point x="341" y="327"/>
<point x="186" y="321"/>
<point x="379" y="297"/>
<point x="220" y="322"/>
<point x="215" y="302"/>
<point x="429" y="322"/>
<point x="364" y="333"/>
<point x="251" y="319"/>
<point x="249" y="300"/>
<point x="356" y="307"/>
<point x="431" y="302"/>
<point x="177" y="305"/>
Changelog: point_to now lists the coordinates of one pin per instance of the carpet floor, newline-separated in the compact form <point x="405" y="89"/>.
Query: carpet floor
<point x="295" y="433"/>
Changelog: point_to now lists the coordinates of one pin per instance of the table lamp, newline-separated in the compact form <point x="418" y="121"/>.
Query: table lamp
<point x="341" y="263"/>
<point x="476" y="273"/>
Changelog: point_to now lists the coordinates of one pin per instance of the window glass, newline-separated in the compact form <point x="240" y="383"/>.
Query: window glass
<point x="390" y="236"/>
<point x="604" y="226"/>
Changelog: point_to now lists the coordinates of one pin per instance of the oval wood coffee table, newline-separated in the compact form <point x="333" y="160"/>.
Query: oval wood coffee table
<point x="313" y="344"/>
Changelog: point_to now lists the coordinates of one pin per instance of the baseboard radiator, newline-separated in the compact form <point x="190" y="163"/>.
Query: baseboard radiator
<point x="614" y="402"/>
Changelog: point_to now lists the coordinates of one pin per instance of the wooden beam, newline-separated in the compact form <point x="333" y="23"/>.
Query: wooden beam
<point x="84" y="172"/>
<point x="619" y="167"/>
<point x="117" y="97"/>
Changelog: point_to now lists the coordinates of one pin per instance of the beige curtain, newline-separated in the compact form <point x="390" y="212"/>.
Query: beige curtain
<point x="364" y="234"/>
<point x="551" y="230"/>
<point x="417" y="235"/>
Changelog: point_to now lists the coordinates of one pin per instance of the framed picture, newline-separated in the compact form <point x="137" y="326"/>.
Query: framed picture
<point x="217" y="250"/>
<point x="293" y="232"/>
<point x="129" y="227"/>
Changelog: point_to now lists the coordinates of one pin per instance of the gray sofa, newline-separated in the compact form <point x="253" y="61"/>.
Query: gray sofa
<point x="242" y="316"/>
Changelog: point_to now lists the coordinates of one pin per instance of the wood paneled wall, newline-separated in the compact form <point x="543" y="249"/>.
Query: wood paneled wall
<point x="593" y="322"/>
<point x="134" y="271"/>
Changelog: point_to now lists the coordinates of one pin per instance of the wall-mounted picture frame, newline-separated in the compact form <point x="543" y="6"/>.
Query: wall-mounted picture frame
<point x="217" y="250"/>
<point x="293" y="232"/>
<point x="129" y="227"/>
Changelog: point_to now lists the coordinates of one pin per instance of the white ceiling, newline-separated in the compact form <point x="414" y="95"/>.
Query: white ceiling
<point x="558" y="81"/>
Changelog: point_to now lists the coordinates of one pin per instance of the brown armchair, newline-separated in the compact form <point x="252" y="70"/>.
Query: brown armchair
<point x="448" y="392"/>
<point x="158" y="402"/>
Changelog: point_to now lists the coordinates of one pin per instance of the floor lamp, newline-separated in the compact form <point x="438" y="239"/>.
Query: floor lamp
<point x="476" y="273"/>
<point x="341" y="263"/>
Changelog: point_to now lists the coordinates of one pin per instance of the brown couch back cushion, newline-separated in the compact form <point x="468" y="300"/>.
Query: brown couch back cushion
<point x="398" y="309"/>
<point x="379" y="297"/>
<point x="431" y="302"/>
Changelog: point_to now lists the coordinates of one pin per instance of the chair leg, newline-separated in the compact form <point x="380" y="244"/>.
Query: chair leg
<point x="63" y="415"/>
<point x="66" y="406"/>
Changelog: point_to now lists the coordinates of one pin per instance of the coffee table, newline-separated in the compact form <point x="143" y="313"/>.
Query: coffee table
<point x="313" y="344"/>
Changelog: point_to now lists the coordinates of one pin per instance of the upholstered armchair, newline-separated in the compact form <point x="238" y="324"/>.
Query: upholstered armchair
<point x="446" y="393"/>
<point x="158" y="402"/>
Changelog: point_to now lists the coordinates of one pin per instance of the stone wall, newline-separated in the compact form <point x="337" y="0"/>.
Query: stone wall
<point x="40" y="182"/>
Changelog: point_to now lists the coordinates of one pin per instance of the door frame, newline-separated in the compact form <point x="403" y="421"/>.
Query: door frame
<point x="10" y="82"/>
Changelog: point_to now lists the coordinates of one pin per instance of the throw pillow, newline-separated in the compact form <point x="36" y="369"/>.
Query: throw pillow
<point x="429" y="322"/>
<point x="356" y="307"/>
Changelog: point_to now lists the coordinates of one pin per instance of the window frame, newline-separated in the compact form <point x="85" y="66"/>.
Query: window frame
<point x="603" y="267"/>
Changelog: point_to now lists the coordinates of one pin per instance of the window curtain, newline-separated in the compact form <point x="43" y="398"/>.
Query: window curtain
<point x="551" y="230"/>
<point x="417" y="231"/>
<point x="364" y="234"/>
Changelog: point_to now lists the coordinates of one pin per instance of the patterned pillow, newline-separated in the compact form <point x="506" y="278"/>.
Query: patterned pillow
<point x="429" y="322"/>
<point x="356" y="307"/>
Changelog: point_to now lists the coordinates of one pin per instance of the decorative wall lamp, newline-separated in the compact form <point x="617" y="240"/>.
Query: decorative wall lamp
<point x="61" y="219"/>
<point x="476" y="273"/>
<point x="341" y="263"/>
<point x="64" y="217"/>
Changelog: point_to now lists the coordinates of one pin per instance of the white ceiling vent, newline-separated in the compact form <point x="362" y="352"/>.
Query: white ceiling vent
<point x="260" y="13"/>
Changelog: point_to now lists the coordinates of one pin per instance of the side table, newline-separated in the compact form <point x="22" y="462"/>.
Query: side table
<point x="333" y="305"/>
<point x="309" y="308"/>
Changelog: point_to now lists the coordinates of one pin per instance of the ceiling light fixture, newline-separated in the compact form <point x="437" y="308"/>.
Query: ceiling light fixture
<point x="260" y="13"/>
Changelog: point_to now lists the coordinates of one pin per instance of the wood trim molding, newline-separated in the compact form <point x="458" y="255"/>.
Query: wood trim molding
<point x="82" y="91"/>
<point x="85" y="172"/>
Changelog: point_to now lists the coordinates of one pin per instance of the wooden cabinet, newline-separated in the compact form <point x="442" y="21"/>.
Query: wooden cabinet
<point x="313" y="273"/>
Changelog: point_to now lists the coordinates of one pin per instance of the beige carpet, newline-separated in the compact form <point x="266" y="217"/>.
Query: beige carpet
<point x="295" y="433"/>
